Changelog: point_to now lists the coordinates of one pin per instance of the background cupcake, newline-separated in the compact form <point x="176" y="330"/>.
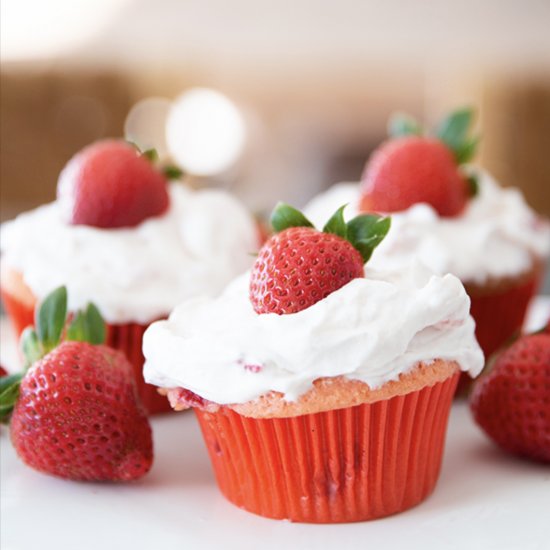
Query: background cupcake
<point x="454" y="218"/>
<point x="322" y="387"/>
<point x="121" y="236"/>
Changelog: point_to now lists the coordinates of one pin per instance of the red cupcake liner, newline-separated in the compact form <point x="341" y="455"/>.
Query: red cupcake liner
<point x="353" y="464"/>
<point x="125" y="337"/>
<point x="499" y="315"/>
<point x="20" y="315"/>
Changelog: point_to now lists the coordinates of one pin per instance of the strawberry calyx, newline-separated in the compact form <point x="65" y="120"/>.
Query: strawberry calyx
<point x="170" y="171"/>
<point x="365" y="232"/>
<point x="50" y="327"/>
<point x="454" y="131"/>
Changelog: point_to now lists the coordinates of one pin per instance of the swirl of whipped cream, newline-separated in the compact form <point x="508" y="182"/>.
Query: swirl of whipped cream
<point x="371" y="329"/>
<point x="497" y="235"/>
<point x="135" y="274"/>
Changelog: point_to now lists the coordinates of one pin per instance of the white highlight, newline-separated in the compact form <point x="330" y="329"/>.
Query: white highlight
<point x="35" y="29"/>
<point x="205" y="132"/>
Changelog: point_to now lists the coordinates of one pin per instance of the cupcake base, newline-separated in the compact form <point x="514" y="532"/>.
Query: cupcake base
<point x="124" y="337"/>
<point x="352" y="464"/>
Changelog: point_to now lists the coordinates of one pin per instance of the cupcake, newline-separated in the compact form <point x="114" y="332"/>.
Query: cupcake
<point x="452" y="217"/>
<point x="322" y="387"/>
<point x="121" y="236"/>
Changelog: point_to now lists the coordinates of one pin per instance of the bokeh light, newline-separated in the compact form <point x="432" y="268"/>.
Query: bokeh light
<point x="205" y="132"/>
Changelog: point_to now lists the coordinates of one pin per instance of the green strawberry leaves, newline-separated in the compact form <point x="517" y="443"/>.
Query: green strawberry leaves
<point x="364" y="232"/>
<point x="453" y="129"/>
<point x="31" y="347"/>
<point x="285" y="216"/>
<point x="172" y="172"/>
<point x="50" y="320"/>
<point x="401" y="124"/>
<point x="9" y="392"/>
<point x="454" y="132"/>
<point x="87" y="326"/>
<point x="337" y="225"/>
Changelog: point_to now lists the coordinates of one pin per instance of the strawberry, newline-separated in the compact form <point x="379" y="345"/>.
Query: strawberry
<point x="412" y="168"/>
<point x="511" y="403"/>
<point x="109" y="184"/>
<point x="299" y="265"/>
<point x="3" y="372"/>
<point x="75" y="412"/>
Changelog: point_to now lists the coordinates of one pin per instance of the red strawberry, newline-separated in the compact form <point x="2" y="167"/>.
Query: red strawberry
<point x="511" y="402"/>
<point x="3" y="371"/>
<point x="408" y="170"/>
<point x="110" y="184"/>
<point x="411" y="168"/>
<point x="299" y="266"/>
<point x="76" y="413"/>
<point x="78" y="417"/>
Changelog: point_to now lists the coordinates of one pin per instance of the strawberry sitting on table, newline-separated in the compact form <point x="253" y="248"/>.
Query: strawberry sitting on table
<point x="75" y="413"/>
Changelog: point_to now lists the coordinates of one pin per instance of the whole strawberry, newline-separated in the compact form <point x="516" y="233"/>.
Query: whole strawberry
<point x="76" y="413"/>
<point x="110" y="184"/>
<point x="299" y="265"/>
<point x="411" y="168"/>
<point x="511" y="403"/>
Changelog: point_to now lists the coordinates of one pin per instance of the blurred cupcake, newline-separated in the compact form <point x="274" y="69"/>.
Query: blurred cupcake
<point x="453" y="218"/>
<point x="322" y="387"/>
<point x="123" y="237"/>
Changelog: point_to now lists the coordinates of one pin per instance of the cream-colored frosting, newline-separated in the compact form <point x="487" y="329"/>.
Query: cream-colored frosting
<point x="137" y="274"/>
<point x="372" y="329"/>
<point x="497" y="235"/>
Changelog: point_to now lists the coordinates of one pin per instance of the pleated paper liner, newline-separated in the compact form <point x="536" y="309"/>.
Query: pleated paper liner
<point x="353" y="464"/>
<point x="128" y="338"/>
<point x="499" y="315"/>
<point x="125" y="337"/>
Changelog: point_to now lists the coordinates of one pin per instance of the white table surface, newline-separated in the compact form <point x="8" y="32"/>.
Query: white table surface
<point x="484" y="499"/>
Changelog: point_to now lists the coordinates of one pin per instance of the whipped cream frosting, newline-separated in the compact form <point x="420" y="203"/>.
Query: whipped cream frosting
<point x="371" y="329"/>
<point x="496" y="236"/>
<point x="135" y="274"/>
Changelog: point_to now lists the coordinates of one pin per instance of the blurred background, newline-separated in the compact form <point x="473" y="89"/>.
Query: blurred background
<point x="280" y="99"/>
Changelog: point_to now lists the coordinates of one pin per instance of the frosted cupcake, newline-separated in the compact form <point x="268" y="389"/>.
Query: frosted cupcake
<point x="453" y="218"/>
<point x="322" y="387"/>
<point x="121" y="236"/>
